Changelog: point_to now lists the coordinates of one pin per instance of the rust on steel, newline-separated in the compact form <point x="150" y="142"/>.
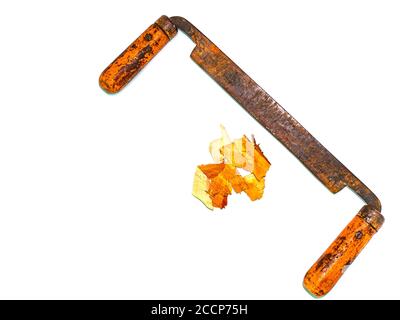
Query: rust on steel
<point x="324" y="274"/>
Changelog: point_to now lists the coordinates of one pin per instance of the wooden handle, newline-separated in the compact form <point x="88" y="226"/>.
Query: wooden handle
<point x="324" y="274"/>
<point x="137" y="55"/>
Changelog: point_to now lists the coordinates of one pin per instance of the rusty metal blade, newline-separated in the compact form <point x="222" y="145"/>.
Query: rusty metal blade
<point x="272" y="116"/>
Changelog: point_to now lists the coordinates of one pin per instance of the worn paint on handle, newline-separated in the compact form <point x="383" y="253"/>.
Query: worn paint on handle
<point x="324" y="274"/>
<point x="137" y="55"/>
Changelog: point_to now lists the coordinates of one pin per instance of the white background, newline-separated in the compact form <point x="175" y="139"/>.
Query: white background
<point x="95" y="189"/>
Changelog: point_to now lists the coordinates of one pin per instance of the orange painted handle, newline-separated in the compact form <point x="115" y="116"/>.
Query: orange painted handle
<point x="128" y="64"/>
<point x="324" y="274"/>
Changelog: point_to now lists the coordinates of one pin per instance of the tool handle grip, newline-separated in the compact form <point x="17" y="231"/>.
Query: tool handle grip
<point x="137" y="55"/>
<point x="328" y="269"/>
